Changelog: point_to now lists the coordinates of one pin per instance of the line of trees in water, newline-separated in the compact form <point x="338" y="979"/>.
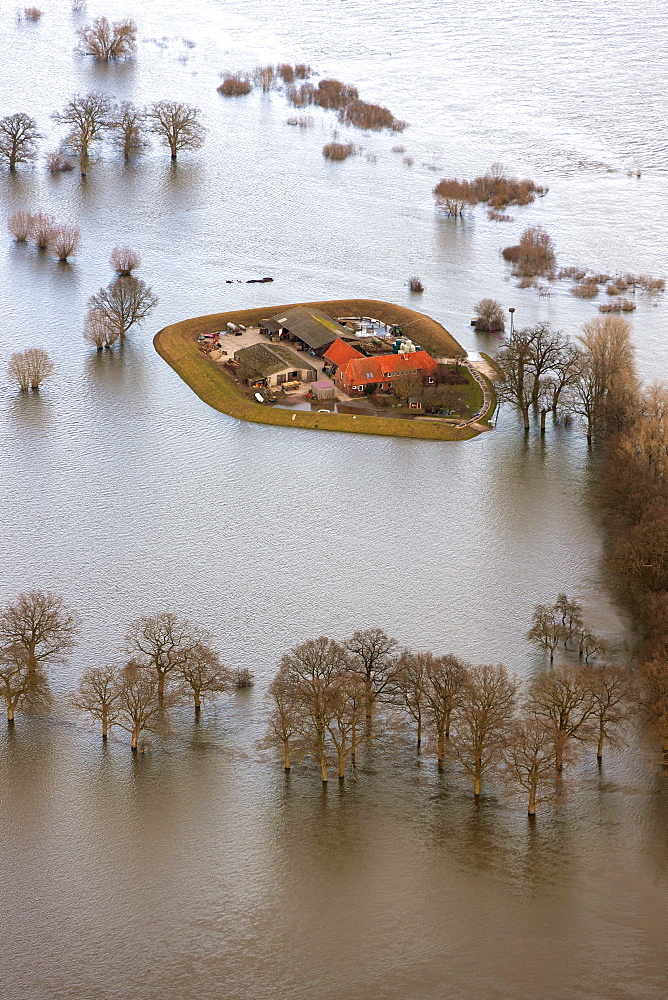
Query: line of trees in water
<point x="329" y="700"/>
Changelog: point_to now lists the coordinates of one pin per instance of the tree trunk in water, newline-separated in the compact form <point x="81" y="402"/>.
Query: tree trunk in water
<point x="32" y="659"/>
<point x="198" y="704"/>
<point x="135" y="739"/>
<point x="342" y="764"/>
<point x="10" y="712"/>
<point x="161" y="685"/>
<point x="419" y="732"/>
<point x="476" y="787"/>
<point x="532" y="797"/>
<point x="590" y="429"/>
<point x="105" y="723"/>
<point x="353" y="745"/>
<point x="559" y="756"/>
<point x="543" y="414"/>
<point x="323" y="768"/>
<point x="441" y="746"/>
<point x="601" y="738"/>
<point x="286" y="756"/>
<point x="525" y="417"/>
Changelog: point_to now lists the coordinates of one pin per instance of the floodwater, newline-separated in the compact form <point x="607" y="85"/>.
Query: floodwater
<point x="197" y="870"/>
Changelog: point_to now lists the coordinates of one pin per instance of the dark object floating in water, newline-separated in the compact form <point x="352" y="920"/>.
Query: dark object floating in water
<point x="258" y="281"/>
<point x="229" y="281"/>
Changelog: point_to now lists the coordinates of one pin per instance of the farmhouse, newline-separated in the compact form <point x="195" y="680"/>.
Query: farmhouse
<point x="273" y="364"/>
<point x="360" y="375"/>
<point x="339" y="354"/>
<point x="311" y="329"/>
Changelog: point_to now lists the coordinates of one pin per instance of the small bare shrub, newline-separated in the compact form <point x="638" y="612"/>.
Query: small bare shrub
<point x="533" y="255"/>
<point x="621" y="305"/>
<point x="499" y="190"/>
<point x="599" y="279"/>
<point x="302" y="121"/>
<point x="18" y="224"/>
<point x="338" y="150"/>
<point x="300" y="96"/>
<point x="235" y="85"/>
<point x="454" y="196"/>
<point x="41" y="228"/>
<point x="575" y="273"/>
<point x="99" y="331"/>
<point x="264" y="77"/>
<point x="585" y="290"/>
<point x="124" y="260"/>
<point x="28" y="369"/>
<point x="613" y="289"/>
<point x="64" y="241"/>
<point x="398" y="149"/>
<point x="334" y="94"/>
<point x="409" y="161"/>
<point x="243" y="678"/>
<point x="58" y="162"/>
<point x="495" y="216"/>
<point x="650" y="284"/>
<point x="415" y="285"/>
<point x="371" y="117"/>
<point x="302" y="71"/>
<point x="286" y="72"/>
<point x="32" y="13"/>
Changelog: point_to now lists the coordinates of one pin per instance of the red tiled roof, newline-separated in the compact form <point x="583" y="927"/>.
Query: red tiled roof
<point x="362" y="370"/>
<point x="341" y="353"/>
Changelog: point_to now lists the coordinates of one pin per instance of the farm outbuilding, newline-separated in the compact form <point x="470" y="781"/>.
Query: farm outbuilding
<point x="274" y="364"/>
<point x="323" y="389"/>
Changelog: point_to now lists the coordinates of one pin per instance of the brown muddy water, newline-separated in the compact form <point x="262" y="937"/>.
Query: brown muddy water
<point x="196" y="871"/>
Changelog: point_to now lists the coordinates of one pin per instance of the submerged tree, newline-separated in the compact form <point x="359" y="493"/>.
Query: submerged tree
<point x="455" y="196"/>
<point x="106" y="40"/>
<point x="29" y="368"/>
<point x="40" y="623"/>
<point x="125" y="302"/>
<point x="285" y="718"/>
<point x="99" y="331"/>
<point x="140" y="707"/>
<point x="409" y="686"/>
<point x="19" y="686"/>
<point x="124" y="261"/>
<point x="563" y="701"/>
<point x="128" y="127"/>
<point x="18" y="139"/>
<point x="18" y="225"/>
<point x="98" y="695"/>
<point x="163" y="643"/>
<point x="372" y="657"/>
<point x="64" y="241"/>
<point x="88" y="118"/>
<point x="202" y="672"/>
<point x="484" y="719"/>
<point x="177" y="125"/>
<point x="445" y="691"/>
<point x="489" y="315"/>
<point x="529" y="757"/>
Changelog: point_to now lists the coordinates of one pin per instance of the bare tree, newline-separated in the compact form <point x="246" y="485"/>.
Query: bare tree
<point x="563" y="701"/>
<point x="202" y="672"/>
<point x="99" y="331"/>
<point x="106" y="40"/>
<point x="547" y="629"/>
<point x="88" y="118"/>
<point x="653" y="699"/>
<point x="446" y="681"/>
<point x="529" y="758"/>
<point x="139" y="707"/>
<point x="612" y="694"/>
<point x="124" y="302"/>
<point x="124" y="261"/>
<point x="515" y="385"/>
<point x="29" y="368"/>
<point x="570" y="612"/>
<point x="64" y="241"/>
<point x="409" y="686"/>
<point x="346" y="712"/>
<point x="589" y="644"/>
<point x="264" y="75"/>
<point x="285" y="717"/>
<point x="18" y="139"/>
<point x="18" y="224"/>
<point x="484" y="718"/>
<point x="372" y="657"/>
<point x="177" y="125"/>
<point x="128" y="125"/>
<point x="41" y="227"/>
<point x="40" y="623"/>
<point x="489" y="315"/>
<point x="98" y="695"/>
<point x="163" y="643"/>
<point x="20" y="686"/>
<point x="606" y="383"/>
<point x="313" y="667"/>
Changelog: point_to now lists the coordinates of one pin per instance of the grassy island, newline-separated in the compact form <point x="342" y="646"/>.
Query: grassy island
<point x="177" y="344"/>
